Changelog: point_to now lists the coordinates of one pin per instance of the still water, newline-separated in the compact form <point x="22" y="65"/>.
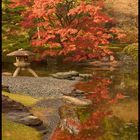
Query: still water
<point x="123" y="123"/>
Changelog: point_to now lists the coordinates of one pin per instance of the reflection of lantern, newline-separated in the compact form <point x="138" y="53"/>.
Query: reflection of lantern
<point x="22" y="62"/>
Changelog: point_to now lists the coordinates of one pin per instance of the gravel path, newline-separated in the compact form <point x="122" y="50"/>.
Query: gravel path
<point x="42" y="87"/>
<point x="39" y="87"/>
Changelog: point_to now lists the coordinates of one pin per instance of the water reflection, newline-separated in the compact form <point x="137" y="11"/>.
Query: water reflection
<point x="102" y="123"/>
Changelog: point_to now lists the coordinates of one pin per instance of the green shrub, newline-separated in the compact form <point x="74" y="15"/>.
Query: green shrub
<point x="132" y="50"/>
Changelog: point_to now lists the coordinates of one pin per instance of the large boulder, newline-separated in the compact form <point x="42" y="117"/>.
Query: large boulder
<point x="24" y="118"/>
<point x="65" y="75"/>
<point x="71" y="75"/>
<point x="19" y="113"/>
<point x="9" y="105"/>
<point x="77" y="101"/>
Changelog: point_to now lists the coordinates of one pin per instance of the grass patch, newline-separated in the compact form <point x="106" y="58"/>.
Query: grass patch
<point x="16" y="131"/>
<point x="25" y="100"/>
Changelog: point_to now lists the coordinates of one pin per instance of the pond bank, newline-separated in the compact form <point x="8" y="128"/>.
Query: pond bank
<point x="19" y="113"/>
<point x="39" y="87"/>
<point x="53" y="93"/>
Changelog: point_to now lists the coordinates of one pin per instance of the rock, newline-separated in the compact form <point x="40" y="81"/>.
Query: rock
<point x="76" y="93"/>
<point x="78" y="78"/>
<point x="61" y="75"/>
<point x="74" y="73"/>
<point x="7" y="74"/>
<point x="9" y="105"/>
<point x="25" y="118"/>
<point x="86" y="76"/>
<point x="65" y="75"/>
<point x="69" y="119"/>
<point x="5" y="88"/>
<point x="66" y="124"/>
<point x="19" y="113"/>
<point x="30" y="121"/>
<point x="71" y="78"/>
<point x="76" y="101"/>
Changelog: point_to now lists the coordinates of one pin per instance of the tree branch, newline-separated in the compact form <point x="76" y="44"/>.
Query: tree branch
<point x="60" y="20"/>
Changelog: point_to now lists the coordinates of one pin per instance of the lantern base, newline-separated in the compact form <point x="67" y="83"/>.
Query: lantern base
<point x="18" y="69"/>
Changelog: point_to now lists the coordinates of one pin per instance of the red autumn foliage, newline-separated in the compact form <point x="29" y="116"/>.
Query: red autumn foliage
<point x="101" y="98"/>
<point x="69" y="27"/>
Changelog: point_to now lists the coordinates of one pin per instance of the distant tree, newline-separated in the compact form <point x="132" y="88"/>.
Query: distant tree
<point x="76" y="29"/>
<point x="13" y="35"/>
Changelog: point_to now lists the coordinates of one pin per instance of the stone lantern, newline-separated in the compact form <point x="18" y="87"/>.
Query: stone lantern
<point x="22" y="62"/>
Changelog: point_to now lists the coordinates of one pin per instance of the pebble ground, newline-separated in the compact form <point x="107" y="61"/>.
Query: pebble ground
<point x="39" y="87"/>
<point x="42" y="87"/>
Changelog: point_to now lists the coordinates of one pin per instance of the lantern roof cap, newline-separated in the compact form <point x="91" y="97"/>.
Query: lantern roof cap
<point x="21" y="52"/>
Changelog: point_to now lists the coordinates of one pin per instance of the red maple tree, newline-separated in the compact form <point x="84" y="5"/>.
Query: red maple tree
<point x="73" y="28"/>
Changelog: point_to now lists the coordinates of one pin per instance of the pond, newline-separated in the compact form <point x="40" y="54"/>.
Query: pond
<point x="122" y="121"/>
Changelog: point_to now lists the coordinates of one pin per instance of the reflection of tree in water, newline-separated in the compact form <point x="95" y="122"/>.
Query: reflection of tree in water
<point x="92" y="127"/>
<point x="116" y="129"/>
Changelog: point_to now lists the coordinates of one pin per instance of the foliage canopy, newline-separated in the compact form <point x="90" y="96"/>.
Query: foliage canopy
<point x="77" y="29"/>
